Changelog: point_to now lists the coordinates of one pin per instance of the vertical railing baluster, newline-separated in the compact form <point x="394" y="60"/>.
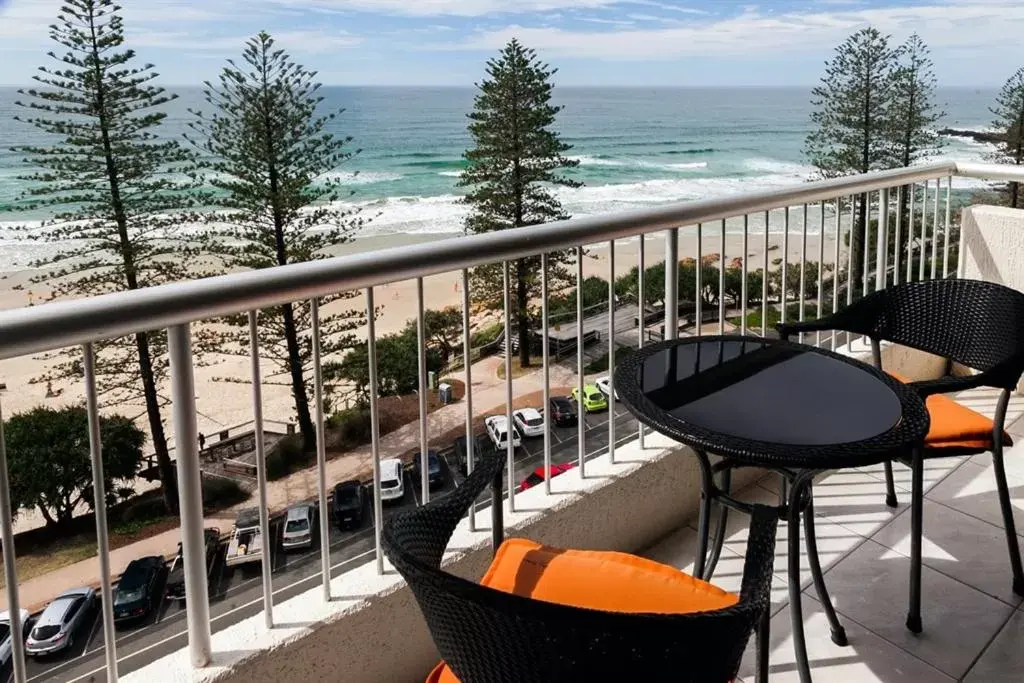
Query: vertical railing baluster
<point x="467" y="362"/>
<point x="835" y="266"/>
<point x="261" y="469"/>
<point x="910" y="233"/>
<point x="698" y="282"/>
<point x="764" y="277"/>
<point x="546" y="411"/>
<point x="421" y="355"/>
<point x="784" y="266"/>
<point x="849" y="251"/>
<point x="611" y="350"/>
<point x="510" y="448"/>
<point x="744" y="271"/>
<point x="190" y="493"/>
<point x="99" y="488"/>
<point x="321" y="451"/>
<point x="947" y="228"/>
<point x="803" y="271"/>
<point x="924" y="230"/>
<point x="821" y="267"/>
<point x="866" y="200"/>
<point x="371" y="359"/>
<point x="671" y="284"/>
<point x="10" y="564"/>
<point x="882" y="239"/>
<point x="721" y="281"/>
<point x="935" y="232"/>
<point x="899" y="236"/>
<point x="642" y="311"/>
<point x="581" y="423"/>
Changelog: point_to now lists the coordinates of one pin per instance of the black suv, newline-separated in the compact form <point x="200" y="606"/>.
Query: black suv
<point x="563" y="411"/>
<point x="437" y="475"/>
<point x="136" y="594"/>
<point x="348" y="504"/>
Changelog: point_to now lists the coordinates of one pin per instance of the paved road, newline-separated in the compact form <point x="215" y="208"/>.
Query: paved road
<point x="237" y="594"/>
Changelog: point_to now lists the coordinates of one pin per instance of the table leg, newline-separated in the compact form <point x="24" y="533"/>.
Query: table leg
<point x="838" y="632"/>
<point x="723" y="520"/>
<point x="707" y="487"/>
<point x="796" y="615"/>
<point x="916" y="515"/>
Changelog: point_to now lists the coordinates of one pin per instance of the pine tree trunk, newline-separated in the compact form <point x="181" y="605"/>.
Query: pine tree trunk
<point x="298" y="382"/>
<point x="858" y="234"/>
<point x="163" y="458"/>
<point x="522" y="313"/>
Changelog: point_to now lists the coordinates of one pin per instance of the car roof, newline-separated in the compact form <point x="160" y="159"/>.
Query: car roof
<point x="5" y="616"/>
<point x="496" y="420"/>
<point x="590" y="388"/>
<point x="528" y="413"/>
<point x="350" y="484"/>
<point x="389" y="466"/>
<point x="74" y="592"/>
<point x="561" y="400"/>
<point x="300" y="511"/>
<point x="136" y="567"/>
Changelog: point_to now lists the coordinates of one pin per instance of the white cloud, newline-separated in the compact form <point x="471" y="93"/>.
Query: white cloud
<point x="993" y="24"/>
<point x="462" y="8"/>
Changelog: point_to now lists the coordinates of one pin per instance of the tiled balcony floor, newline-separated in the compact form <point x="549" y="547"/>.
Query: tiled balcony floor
<point x="974" y="624"/>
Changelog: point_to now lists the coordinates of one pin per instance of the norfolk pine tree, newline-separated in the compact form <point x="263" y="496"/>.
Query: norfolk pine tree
<point x="852" y="121"/>
<point x="116" y="189"/>
<point x="913" y="115"/>
<point x="271" y="155"/>
<point x="510" y="173"/>
<point x="1009" y="121"/>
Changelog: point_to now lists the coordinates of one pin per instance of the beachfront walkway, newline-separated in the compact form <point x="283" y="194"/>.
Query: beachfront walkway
<point x="488" y="394"/>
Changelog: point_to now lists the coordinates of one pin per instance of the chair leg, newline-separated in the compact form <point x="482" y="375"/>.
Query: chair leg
<point x="764" y="644"/>
<point x="704" y="513"/>
<point x="1011" y="530"/>
<point x="795" y="599"/>
<point x="723" y="519"/>
<point x="838" y="632"/>
<point x="890" y="486"/>
<point x="916" y="532"/>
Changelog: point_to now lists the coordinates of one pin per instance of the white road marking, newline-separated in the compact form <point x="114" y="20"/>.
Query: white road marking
<point x="92" y="634"/>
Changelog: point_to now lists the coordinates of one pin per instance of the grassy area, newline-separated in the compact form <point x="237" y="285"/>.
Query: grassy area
<point x="754" y="321"/>
<point x="517" y="369"/>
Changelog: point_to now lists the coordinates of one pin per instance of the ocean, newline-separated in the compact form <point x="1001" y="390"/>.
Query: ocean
<point x="638" y="147"/>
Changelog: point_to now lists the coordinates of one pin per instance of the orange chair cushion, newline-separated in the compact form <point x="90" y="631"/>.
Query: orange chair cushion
<point x="954" y="425"/>
<point x="603" y="580"/>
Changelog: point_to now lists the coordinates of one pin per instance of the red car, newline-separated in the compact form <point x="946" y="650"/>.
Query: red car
<point x="537" y="476"/>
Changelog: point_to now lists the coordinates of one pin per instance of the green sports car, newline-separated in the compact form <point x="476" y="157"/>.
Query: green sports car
<point x="593" y="398"/>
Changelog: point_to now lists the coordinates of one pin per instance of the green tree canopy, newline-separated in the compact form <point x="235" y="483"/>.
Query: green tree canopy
<point x="913" y="111"/>
<point x="117" y="194"/>
<point x="510" y="172"/>
<point x="397" y="365"/>
<point x="444" y="330"/>
<point x="272" y="159"/>
<point x="1008" y="111"/>
<point x="48" y="457"/>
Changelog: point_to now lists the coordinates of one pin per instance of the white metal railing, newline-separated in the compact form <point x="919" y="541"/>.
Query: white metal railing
<point x="175" y="307"/>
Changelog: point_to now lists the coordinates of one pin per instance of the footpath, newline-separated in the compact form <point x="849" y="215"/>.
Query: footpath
<point x="488" y="395"/>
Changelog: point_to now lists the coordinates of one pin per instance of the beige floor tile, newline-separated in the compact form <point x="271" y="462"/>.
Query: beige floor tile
<point x="871" y="586"/>
<point x="958" y="545"/>
<point x="1003" y="660"/>
<point x="971" y="489"/>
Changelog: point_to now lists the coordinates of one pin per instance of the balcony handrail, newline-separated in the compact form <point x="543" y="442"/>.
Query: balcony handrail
<point x="66" y="323"/>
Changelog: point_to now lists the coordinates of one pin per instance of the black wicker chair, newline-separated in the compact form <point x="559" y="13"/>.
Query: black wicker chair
<point x="977" y="324"/>
<point x="489" y="636"/>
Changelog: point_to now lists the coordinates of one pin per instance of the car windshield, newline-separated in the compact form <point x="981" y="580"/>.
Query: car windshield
<point x="537" y="421"/>
<point x="346" y="497"/>
<point x="389" y="483"/>
<point x="44" y="632"/>
<point x="297" y="525"/>
<point x="5" y="631"/>
<point x="128" y="596"/>
<point x="433" y="464"/>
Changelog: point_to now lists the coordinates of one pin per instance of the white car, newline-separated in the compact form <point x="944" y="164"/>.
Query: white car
<point x="497" y="429"/>
<point x="528" y="422"/>
<point x="298" y="527"/>
<point x="5" y="634"/>
<point x="392" y="479"/>
<point x="604" y="384"/>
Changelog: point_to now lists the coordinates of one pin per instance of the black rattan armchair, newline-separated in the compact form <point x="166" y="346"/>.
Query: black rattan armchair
<point x="976" y="324"/>
<point x="489" y="636"/>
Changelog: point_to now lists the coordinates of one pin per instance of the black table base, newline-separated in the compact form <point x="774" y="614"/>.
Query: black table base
<point x="796" y="499"/>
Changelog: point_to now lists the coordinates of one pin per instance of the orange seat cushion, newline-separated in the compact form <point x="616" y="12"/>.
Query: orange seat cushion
<point x="954" y="425"/>
<point x="602" y="580"/>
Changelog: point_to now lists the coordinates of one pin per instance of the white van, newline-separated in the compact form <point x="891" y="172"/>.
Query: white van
<point x="497" y="429"/>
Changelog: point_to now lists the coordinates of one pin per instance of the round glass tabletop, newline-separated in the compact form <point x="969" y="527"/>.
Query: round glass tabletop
<point x="765" y="391"/>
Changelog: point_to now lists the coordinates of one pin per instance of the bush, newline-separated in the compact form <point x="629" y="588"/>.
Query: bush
<point x="353" y="425"/>
<point x="151" y="507"/>
<point x="286" y="457"/>
<point x="486" y="335"/>
<point x="219" y="492"/>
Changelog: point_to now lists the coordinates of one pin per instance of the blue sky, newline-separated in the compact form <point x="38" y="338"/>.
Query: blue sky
<point x="592" y="42"/>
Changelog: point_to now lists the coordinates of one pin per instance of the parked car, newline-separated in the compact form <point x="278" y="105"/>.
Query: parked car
<point x="135" y="593"/>
<point x="528" y="421"/>
<point x="497" y="429"/>
<point x="537" y="476"/>
<point x="392" y="479"/>
<point x="55" y="629"/>
<point x="604" y="384"/>
<point x="593" y="398"/>
<point x="482" y="445"/>
<point x="246" y="544"/>
<point x="348" y="504"/>
<point x="297" y="531"/>
<point x="5" y="635"/>
<point x="436" y="474"/>
<point x="562" y="411"/>
<point x="175" y="589"/>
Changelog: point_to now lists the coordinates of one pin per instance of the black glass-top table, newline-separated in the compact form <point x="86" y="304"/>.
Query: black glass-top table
<point x="794" y="409"/>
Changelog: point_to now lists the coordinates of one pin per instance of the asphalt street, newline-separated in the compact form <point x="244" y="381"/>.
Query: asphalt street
<point x="236" y="594"/>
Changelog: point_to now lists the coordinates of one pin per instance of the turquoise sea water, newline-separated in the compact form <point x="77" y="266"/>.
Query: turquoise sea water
<point x="638" y="147"/>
